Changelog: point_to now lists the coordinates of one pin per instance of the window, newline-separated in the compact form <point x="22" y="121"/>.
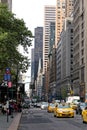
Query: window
<point x="82" y="34"/>
<point x="82" y="60"/>
<point x="71" y="55"/>
<point x="71" y="30"/>
<point x="63" y="5"/>
<point x="82" y="25"/>
<point x="82" y="52"/>
<point x="82" y="44"/>
<point x="82" y="74"/>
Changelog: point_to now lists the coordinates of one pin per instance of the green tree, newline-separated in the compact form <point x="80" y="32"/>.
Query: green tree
<point x="13" y="33"/>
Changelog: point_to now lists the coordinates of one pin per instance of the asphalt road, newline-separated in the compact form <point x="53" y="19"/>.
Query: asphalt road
<point x="36" y="119"/>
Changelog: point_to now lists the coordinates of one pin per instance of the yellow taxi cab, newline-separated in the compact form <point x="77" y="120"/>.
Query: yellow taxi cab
<point x="73" y="106"/>
<point x="63" y="110"/>
<point x="84" y="115"/>
<point x="51" y="107"/>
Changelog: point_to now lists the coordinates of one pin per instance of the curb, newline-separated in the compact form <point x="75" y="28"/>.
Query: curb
<point x="15" y="123"/>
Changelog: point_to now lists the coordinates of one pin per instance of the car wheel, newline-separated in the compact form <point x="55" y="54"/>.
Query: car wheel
<point x="57" y="116"/>
<point x="54" y="115"/>
<point x="83" y="121"/>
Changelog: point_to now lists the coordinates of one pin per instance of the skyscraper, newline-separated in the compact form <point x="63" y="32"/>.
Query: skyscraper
<point x="49" y="16"/>
<point x="60" y="16"/>
<point x="80" y="48"/>
<point x="38" y="49"/>
<point x="8" y="2"/>
<point x="69" y="8"/>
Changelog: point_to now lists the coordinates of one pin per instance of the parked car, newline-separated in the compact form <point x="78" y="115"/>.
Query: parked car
<point x="34" y="104"/>
<point x="63" y="110"/>
<point x="84" y="115"/>
<point x="81" y="106"/>
<point x="44" y="105"/>
<point x="38" y="104"/>
<point x="25" y="105"/>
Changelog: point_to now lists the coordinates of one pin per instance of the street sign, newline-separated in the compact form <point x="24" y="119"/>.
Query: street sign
<point x="7" y="77"/>
<point x="9" y="84"/>
<point x="4" y="84"/>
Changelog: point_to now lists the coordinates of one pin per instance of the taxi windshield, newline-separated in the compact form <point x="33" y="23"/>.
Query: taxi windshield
<point x="63" y="106"/>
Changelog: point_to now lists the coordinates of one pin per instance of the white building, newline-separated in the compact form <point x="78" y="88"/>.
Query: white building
<point x="49" y="16"/>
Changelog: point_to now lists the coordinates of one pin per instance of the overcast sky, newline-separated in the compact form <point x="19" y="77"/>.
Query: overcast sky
<point x="32" y="11"/>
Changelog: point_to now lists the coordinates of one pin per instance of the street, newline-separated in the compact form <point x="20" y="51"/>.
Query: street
<point x="36" y="119"/>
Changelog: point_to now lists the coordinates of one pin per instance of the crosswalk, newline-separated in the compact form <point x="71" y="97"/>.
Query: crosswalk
<point x="30" y="110"/>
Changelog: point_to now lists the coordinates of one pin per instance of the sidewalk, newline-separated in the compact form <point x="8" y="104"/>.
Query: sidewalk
<point x="12" y="123"/>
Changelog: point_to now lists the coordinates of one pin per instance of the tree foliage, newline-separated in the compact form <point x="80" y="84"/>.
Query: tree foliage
<point x="13" y="33"/>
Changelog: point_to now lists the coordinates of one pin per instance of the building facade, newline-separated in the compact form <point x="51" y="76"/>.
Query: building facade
<point x="60" y="16"/>
<point x="8" y="2"/>
<point x="58" y="70"/>
<point x="49" y="16"/>
<point x="80" y="46"/>
<point x="69" y="8"/>
<point x="66" y="57"/>
<point x="39" y="82"/>
<point x="38" y="49"/>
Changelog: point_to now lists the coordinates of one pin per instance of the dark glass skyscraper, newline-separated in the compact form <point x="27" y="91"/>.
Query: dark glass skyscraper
<point x="38" y="49"/>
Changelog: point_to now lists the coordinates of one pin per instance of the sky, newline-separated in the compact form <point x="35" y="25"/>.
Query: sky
<point x="32" y="12"/>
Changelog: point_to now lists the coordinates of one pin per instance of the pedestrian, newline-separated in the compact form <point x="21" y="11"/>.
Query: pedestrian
<point x="10" y="109"/>
<point x="4" y="109"/>
<point x="19" y="107"/>
<point x="0" y="107"/>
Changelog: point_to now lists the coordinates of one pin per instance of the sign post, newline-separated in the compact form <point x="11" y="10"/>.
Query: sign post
<point x="7" y="78"/>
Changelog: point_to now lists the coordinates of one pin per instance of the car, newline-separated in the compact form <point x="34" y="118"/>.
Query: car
<point x="73" y="106"/>
<point x="44" y="105"/>
<point x="38" y="104"/>
<point x="25" y="105"/>
<point x="81" y="106"/>
<point x="34" y="104"/>
<point x="51" y="107"/>
<point x="84" y="115"/>
<point x="63" y="110"/>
